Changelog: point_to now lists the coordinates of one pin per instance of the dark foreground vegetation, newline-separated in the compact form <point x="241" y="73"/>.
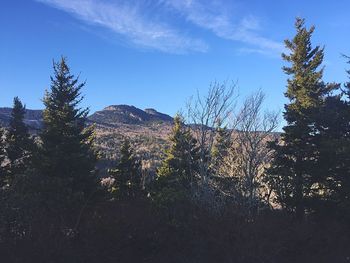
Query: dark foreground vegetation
<point x="134" y="231"/>
<point x="229" y="188"/>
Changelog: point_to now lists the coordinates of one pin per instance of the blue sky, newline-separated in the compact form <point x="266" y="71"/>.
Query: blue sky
<point x="157" y="53"/>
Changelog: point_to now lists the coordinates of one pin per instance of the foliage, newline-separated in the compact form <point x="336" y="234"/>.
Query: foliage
<point x="294" y="173"/>
<point x="180" y="165"/>
<point x="19" y="145"/>
<point x="3" y="173"/>
<point x="334" y="150"/>
<point x="177" y="174"/>
<point x="127" y="174"/>
<point x="223" y="142"/>
<point x="67" y="152"/>
<point x="210" y="177"/>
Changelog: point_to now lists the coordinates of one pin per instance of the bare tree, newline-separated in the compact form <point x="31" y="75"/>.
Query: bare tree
<point x="205" y="114"/>
<point x="249" y="154"/>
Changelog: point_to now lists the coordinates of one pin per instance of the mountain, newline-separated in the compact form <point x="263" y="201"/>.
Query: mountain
<point x="157" y="115"/>
<point x="33" y="118"/>
<point x="125" y="114"/>
<point x="147" y="130"/>
<point x="113" y="115"/>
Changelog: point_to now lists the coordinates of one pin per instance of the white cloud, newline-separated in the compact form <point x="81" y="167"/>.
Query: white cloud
<point x="129" y="20"/>
<point x="213" y="16"/>
<point x="145" y="23"/>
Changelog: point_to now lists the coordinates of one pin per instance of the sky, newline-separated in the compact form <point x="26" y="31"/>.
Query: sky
<point x="157" y="53"/>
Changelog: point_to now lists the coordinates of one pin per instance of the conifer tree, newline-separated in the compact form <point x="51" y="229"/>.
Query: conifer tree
<point x="334" y="164"/>
<point x="67" y="156"/>
<point x="180" y="164"/>
<point x="127" y="173"/>
<point x="342" y="178"/>
<point x="294" y="171"/>
<point x="223" y="142"/>
<point x="2" y="158"/>
<point x="19" y="145"/>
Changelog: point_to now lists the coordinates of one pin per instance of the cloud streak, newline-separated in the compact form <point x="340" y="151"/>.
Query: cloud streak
<point x="130" y="22"/>
<point x="145" y="23"/>
<point x="213" y="17"/>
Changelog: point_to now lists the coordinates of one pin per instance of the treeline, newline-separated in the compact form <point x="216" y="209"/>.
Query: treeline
<point x="230" y="188"/>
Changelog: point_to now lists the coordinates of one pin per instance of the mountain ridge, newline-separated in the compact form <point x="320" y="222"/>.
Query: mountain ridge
<point x="33" y="118"/>
<point x="112" y="115"/>
<point x="128" y="114"/>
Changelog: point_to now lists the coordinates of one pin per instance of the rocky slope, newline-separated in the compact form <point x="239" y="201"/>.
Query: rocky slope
<point x="147" y="130"/>
<point x="124" y="114"/>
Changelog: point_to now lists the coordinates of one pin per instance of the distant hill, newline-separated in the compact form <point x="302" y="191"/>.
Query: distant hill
<point x="33" y="118"/>
<point x="113" y="115"/>
<point x="125" y="114"/>
<point x="147" y="130"/>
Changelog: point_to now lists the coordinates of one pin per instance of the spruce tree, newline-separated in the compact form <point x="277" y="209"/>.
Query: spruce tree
<point x="127" y="173"/>
<point x="67" y="156"/>
<point x="223" y="142"/>
<point x="19" y="145"/>
<point x="342" y="178"/>
<point x="180" y="164"/>
<point x="294" y="173"/>
<point x="3" y="173"/>
<point x="334" y="126"/>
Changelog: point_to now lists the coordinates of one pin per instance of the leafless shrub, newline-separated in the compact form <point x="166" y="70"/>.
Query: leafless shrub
<point x="204" y="114"/>
<point x="249" y="154"/>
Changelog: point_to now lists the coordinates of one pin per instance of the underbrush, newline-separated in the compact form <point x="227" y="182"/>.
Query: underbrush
<point x="136" y="231"/>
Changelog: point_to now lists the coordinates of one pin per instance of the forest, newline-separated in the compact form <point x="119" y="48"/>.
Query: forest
<point x="230" y="185"/>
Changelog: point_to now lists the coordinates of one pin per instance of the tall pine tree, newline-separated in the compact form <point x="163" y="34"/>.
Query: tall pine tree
<point x="294" y="173"/>
<point x="127" y="173"/>
<point x="180" y="164"/>
<point x="335" y="149"/>
<point x="3" y="173"/>
<point x="19" y="146"/>
<point x="178" y="172"/>
<point x="223" y="142"/>
<point x="67" y="155"/>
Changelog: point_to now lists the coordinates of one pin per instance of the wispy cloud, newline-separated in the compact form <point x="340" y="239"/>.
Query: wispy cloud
<point x="148" y="23"/>
<point x="128" y="20"/>
<point x="213" y="16"/>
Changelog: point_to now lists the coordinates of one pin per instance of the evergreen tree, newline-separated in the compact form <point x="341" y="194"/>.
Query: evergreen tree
<point x="294" y="171"/>
<point x="334" y="126"/>
<point x="127" y="173"/>
<point x="19" y="145"/>
<point x="223" y="142"/>
<point x="180" y="164"/>
<point x="342" y="178"/>
<point x="2" y="158"/>
<point x="67" y="157"/>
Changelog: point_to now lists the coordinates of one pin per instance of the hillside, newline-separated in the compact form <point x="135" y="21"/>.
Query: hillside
<point x="113" y="116"/>
<point x="147" y="129"/>
<point x="124" y="114"/>
<point x="33" y="118"/>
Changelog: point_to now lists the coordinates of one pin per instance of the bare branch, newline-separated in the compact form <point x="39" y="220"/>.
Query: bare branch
<point x="208" y="112"/>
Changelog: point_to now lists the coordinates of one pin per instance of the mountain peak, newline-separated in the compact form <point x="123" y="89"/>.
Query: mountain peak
<point x="127" y="114"/>
<point x="111" y="116"/>
<point x="121" y="107"/>
<point x="159" y="115"/>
